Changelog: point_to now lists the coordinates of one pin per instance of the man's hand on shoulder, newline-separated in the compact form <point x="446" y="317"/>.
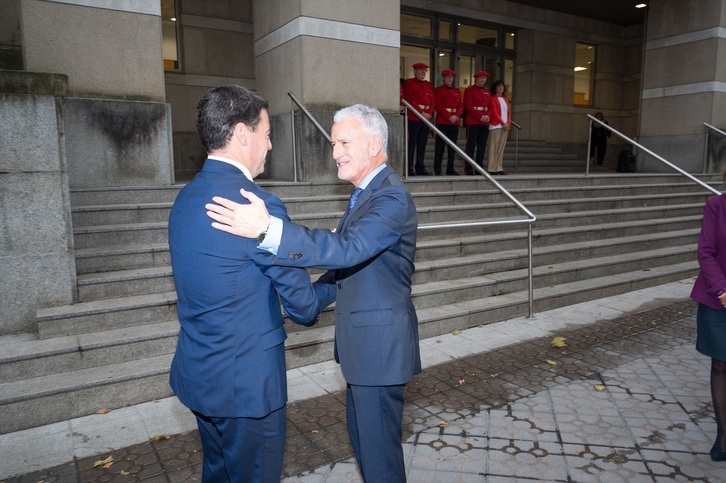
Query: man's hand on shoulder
<point x="247" y="221"/>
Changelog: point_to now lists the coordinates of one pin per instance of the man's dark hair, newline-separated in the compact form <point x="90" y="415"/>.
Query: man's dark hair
<point x="219" y="111"/>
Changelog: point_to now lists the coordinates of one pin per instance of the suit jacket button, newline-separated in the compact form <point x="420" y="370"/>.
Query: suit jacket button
<point x="339" y="285"/>
<point x="295" y="255"/>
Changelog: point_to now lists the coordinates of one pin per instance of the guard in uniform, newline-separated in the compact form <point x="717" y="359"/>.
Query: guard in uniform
<point x="476" y="107"/>
<point x="449" y="107"/>
<point x="420" y="94"/>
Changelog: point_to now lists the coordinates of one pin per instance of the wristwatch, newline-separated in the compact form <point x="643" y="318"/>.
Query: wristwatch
<point x="261" y="236"/>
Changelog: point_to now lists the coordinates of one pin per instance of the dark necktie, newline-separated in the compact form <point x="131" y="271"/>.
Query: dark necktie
<point x="354" y="197"/>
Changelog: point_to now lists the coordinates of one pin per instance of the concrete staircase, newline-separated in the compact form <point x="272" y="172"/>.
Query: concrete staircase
<point x="525" y="156"/>
<point x="594" y="237"/>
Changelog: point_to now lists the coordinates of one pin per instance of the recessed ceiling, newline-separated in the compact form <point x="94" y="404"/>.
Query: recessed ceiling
<point x="620" y="12"/>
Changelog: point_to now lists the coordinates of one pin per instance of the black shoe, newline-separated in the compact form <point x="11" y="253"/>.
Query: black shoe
<point x="438" y="174"/>
<point x="452" y="173"/>
<point x="411" y="172"/>
<point x="717" y="455"/>
<point x="494" y="173"/>
<point x="422" y="172"/>
<point x="502" y="173"/>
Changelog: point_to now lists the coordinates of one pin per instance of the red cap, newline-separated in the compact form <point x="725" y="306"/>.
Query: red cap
<point x="420" y="65"/>
<point x="447" y="72"/>
<point x="481" y="73"/>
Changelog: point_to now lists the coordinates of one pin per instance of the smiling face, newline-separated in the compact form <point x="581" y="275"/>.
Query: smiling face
<point x="480" y="80"/>
<point x="356" y="152"/>
<point x="420" y="74"/>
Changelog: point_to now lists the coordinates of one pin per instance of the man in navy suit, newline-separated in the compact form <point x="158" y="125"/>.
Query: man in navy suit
<point x="371" y="260"/>
<point x="229" y="365"/>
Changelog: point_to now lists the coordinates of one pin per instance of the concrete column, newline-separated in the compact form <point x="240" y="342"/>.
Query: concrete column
<point x="684" y="82"/>
<point x="37" y="267"/>
<point x="115" y="117"/>
<point x="328" y="56"/>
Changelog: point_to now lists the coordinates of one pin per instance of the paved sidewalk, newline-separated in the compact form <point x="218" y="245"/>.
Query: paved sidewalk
<point x="626" y="400"/>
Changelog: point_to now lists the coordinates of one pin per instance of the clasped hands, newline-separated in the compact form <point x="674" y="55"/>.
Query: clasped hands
<point x="245" y="220"/>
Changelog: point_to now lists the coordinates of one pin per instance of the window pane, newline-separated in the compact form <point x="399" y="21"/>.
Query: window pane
<point x="509" y="40"/>
<point x="416" y="26"/>
<point x="469" y="34"/>
<point x="444" y="60"/>
<point x="169" y="47"/>
<point x="584" y="74"/>
<point x="509" y="78"/>
<point x="445" y="30"/>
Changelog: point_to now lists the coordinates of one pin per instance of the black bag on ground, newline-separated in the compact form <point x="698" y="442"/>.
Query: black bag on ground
<point x="626" y="162"/>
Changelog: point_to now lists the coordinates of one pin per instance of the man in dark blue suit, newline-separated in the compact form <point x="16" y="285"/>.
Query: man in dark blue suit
<point x="371" y="260"/>
<point x="229" y="365"/>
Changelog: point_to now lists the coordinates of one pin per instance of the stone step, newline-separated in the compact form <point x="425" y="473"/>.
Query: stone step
<point x="35" y="357"/>
<point x="124" y="283"/>
<point x="120" y="214"/>
<point x="108" y="314"/>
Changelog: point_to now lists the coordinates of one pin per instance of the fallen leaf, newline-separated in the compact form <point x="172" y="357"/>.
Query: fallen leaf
<point x="124" y="473"/>
<point x="455" y="332"/>
<point x="461" y="381"/>
<point x="558" y="342"/>
<point x="599" y="388"/>
<point x="551" y="362"/>
<point x="159" y="437"/>
<point x="104" y="411"/>
<point x="107" y="461"/>
<point x="443" y="423"/>
<point x="107" y="465"/>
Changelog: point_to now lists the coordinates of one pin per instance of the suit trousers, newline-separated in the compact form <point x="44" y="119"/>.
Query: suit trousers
<point x="375" y="418"/>
<point x="451" y="132"/>
<point x="497" y="143"/>
<point x="418" y="134"/>
<point x="243" y="450"/>
<point x="476" y="140"/>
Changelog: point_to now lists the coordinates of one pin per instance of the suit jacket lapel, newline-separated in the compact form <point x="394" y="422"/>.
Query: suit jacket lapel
<point x="367" y="193"/>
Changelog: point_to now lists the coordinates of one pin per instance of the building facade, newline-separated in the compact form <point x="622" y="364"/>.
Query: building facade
<point x="103" y="92"/>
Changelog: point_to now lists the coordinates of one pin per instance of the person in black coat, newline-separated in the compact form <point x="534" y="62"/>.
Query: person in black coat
<point x="598" y="139"/>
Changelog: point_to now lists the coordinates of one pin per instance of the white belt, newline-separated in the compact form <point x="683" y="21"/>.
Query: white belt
<point x="421" y="106"/>
<point x="479" y="108"/>
<point x="450" y="109"/>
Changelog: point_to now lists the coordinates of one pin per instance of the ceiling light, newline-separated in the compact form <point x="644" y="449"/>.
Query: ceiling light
<point x="641" y="5"/>
<point x="578" y="69"/>
<point x="173" y="19"/>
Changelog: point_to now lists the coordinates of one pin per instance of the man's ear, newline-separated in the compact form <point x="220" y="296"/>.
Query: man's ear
<point x="241" y="133"/>
<point x="374" y="146"/>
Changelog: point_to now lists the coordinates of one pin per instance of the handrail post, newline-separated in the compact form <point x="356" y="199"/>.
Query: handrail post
<point x="705" y="152"/>
<point x="530" y="272"/>
<point x="294" y="146"/>
<point x="589" y="150"/>
<point x="405" y="142"/>
<point x="516" y="151"/>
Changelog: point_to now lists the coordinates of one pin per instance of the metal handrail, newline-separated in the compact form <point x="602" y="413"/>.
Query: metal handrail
<point x="531" y="218"/>
<point x="708" y="139"/>
<point x="640" y="146"/>
<point x="292" y="129"/>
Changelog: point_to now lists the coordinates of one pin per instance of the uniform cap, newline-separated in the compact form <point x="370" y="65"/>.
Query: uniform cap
<point x="420" y="65"/>
<point x="481" y="73"/>
<point x="447" y="72"/>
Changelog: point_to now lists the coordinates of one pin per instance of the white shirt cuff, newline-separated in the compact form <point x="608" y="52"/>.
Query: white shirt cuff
<point x="274" y="234"/>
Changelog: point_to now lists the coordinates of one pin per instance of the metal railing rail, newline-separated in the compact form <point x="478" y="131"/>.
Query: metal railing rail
<point x="708" y="139"/>
<point x="292" y="130"/>
<point x="639" y="146"/>
<point x="530" y="217"/>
